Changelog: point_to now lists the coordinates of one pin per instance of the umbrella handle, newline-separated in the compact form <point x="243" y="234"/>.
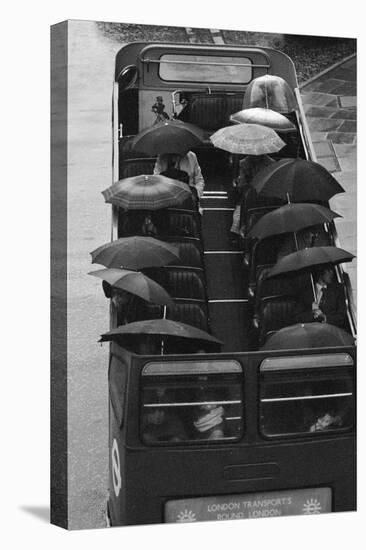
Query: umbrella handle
<point x="162" y="340"/>
<point x="313" y="286"/>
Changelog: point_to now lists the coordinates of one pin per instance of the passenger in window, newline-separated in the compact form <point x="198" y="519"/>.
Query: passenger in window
<point x="186" y="162"/>
<point x="329" y="305"/>
<point x="249" y="167"/>
<point x="209" y="418"/>
<point x="160" y="424"/>
<point x="326" y="422"/>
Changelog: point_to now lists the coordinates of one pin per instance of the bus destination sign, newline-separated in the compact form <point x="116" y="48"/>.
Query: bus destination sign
<point x="254" y="505"/>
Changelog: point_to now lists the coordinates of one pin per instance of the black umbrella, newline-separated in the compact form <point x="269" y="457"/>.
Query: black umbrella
<point x="162" y="329"/>
<point x="308" y="258"/>
<point x="136" y="283"/>
<point x="135" y="253"/>
<point x="298" y="180"/>
<point x="291" y="218"/>
<point x="308" y="335"/>
<point x="170" y="136"/>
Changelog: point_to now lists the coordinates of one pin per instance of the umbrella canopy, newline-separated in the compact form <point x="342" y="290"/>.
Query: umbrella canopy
<point x="147" y="192"/>
<point x="308" y="335"/>
<point x="310" y="257"/>
<point x="270" y="92"/>
<point x="264" y="117"/>
<point x="297" y="179"/>
<point x="248" y="139"/>
<point x="136" y="283"/>
<point x="170" y="136"/>
<point x="135" y="253"/>
<point x="291" y="218"/>
<point x="160" y="327"/>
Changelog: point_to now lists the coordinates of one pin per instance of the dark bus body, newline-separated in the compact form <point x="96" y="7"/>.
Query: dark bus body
<point x="270" y="460"/>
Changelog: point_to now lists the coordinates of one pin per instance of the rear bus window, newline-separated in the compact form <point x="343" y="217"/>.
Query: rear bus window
<point x="306" y="395"/>
<point x="205" y="68"/>
<point x="194" y="405"/>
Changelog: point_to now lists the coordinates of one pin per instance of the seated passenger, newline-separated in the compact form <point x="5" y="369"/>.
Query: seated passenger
<point x="187" y="163"/>
<point x="160" y="424"/>
<point x="182" y="175"/>
<point x="326" y="422"/>
<point x="329" y="305"/>
<point x="148" y="227"/>
<point x="209" y="419"/>
<point x="249" y="167"/>
<point x="122" y="300"/>
<point x="305" y="238"/>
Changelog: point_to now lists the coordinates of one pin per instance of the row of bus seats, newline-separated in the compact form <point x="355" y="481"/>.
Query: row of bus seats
<point x="274" y="300"/>
<point x="185" y="281"/>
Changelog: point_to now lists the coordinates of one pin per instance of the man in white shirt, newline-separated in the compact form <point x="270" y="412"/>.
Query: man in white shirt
<point x="188" y="163"/>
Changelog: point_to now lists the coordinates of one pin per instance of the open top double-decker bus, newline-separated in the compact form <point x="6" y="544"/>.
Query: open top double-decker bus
<point x="260" y="453"/>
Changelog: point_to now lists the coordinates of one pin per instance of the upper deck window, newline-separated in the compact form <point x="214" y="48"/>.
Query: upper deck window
<point x="306" y="395"/>
<point x="205" y="68"/>
<point x="192" y="403"/>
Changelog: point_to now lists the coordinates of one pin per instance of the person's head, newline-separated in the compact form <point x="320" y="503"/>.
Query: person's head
<point x="155" y="416"/>
<point x="326" y="274"/>
<point x="120" y="298"/>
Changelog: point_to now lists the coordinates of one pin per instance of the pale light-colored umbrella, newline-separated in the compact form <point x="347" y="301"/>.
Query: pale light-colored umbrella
<point x="271" y="92"/>
<point x="247" y="139"/>
<point x="264" y="117"/>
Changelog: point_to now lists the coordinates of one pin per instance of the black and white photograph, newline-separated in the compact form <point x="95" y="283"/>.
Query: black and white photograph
<point x="182" y="227"/>
<point x="204" y="233"/>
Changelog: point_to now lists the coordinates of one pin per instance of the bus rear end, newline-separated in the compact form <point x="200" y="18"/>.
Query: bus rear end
<point x="282" y="442"/>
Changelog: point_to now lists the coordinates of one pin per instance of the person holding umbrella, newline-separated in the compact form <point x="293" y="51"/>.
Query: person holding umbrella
<point x="329" y="305"/>
<point x="122" y="300"/>
<point x="186" y="162"/>
<point x="249" y="167"/>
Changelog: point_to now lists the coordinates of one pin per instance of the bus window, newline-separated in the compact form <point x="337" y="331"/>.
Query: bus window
<point x="192" y="406"/>
<point x="318" y="398"/>
<point x="205" y="68"/>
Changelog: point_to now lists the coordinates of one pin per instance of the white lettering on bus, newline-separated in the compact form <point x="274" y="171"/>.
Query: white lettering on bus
<point x="226" y="506"/>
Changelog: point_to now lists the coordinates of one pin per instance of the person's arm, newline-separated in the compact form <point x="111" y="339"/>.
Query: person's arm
<point x="303" y="312"/>
<point x="198" y="180"/>
<point x="158" y="167"/>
